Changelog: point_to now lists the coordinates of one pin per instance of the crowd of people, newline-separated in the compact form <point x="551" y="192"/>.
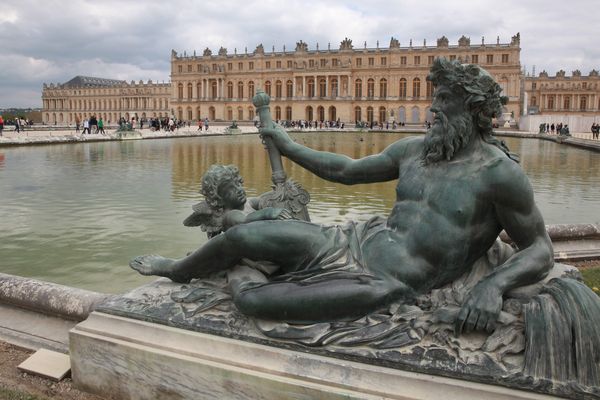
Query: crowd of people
<point x="19" y="123"/>
<point x="559" y="129"/>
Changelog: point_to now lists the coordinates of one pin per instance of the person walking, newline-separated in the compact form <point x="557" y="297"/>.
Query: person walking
<point x="1" y="125"/>
<point x="86" y="126"/>
<point x="206" y="123"/>
<point x="17" y="127"/>
<point x="77" y="124"/>
<point x="101" y="126"/>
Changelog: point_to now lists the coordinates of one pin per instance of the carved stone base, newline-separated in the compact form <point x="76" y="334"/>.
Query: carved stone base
<point x="124" y="358"/>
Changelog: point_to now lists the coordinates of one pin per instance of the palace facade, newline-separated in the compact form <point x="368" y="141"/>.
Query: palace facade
<point x="561" y="94"/>
<point x="348" y="83"/>
<point x="84" y="96"/>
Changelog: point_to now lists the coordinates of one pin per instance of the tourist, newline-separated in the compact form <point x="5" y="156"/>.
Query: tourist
<point x="86" y="126"/>
<point x="101" y="126"/>
<point x="457" y="184"/>
<point x="206" y="124"/>
<point x="1" y="125"/>
<point x="77" y="123"/>
<point x="200" y="125"/>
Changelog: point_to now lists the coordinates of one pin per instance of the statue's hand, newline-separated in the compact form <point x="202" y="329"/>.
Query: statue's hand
<point x="277" y="133"/>
<point x="480" y="309"/>
<point x="277" y="213"/>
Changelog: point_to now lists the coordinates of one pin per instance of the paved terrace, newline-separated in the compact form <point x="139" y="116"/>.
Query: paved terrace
<point x="49" y="135"/>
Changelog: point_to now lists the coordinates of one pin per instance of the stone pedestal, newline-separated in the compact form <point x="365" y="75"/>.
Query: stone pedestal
<point x="132" y="359"/>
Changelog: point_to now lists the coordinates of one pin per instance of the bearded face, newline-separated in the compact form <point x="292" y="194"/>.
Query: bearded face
<point x="447" y="136"/>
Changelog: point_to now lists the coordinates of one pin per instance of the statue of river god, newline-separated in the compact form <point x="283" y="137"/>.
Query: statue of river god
<point x="458" y="188"/>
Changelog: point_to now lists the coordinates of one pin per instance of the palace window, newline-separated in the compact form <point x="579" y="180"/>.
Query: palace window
<point x="452" y="57"/>
<point x="215" y="68"/>
<point x="278" y="64"/>
<point x="268" y="88"/>
<point x="288" y="113"/>
<point x="383" y="61"/>
<point x="277" y="113"/>
<point x="359" y="62"/>
<point x="357" y="114"/>
<point x="189" y="68"/>
<point x="358" y="88"/>
<point x="311" y="88"/>
<point x="504" y="58"/>
<point x="533" y="85"/>
<point x="311" y="63"/>
<point x="429" y="90"/>
<point x="180" y="68"/>
<point x="383" y="88"/>
<point x="567" y="103"/>
<point x="474" y="59"/>
<point x="322" y="88"/>
<point x="371" y="87"/>
<point x="180" y="91"/>
<point x="278" y="91"/>
<point x="371" y="61"/>
<point x="189" y="91"/>
<point x="334" y="62"/>
<point x="323" y="62"/>
<point x="229" y="90"/>
<point x="199" y="68"/>
<point x="230" y="66"/>
<point x="382" y="114"/>
<point x="430" y="60"/>
<point x="241" y="66"/>
<point x="489" y="58"/>
<point x="551" y="102"/>
<point x="268" y="65"/>
<point x="403" y="60"/>
<point x="416" y="87"/>
<point x="533" y="101"/>
<point x="289" y="89"/>
<point x="251" y="65"/>
<point x="250" y="89"/>
<point x="402" y="85"/>
<point x="417" y="60"/>
<point x="289" y="64"/>
<point x="240" y="90"/>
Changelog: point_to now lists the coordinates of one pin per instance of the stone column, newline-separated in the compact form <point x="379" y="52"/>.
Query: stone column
<point x="327" y="86"/>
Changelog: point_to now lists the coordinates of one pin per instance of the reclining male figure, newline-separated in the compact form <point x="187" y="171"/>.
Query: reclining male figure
<point x="458" y="187"/>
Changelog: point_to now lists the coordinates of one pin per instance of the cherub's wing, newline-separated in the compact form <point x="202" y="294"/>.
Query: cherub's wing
<point x="201" y="215"/>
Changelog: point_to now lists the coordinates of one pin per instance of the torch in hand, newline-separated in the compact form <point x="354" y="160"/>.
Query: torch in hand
<point x="286" y="193"/>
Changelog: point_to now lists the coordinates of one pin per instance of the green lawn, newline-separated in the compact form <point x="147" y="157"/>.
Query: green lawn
<point x="591" y="277"/>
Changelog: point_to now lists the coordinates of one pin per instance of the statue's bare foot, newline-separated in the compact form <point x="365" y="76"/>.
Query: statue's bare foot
<point x="152" y="264"/>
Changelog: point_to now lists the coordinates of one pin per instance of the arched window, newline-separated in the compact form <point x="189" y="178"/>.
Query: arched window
<point x="429" y="89"/>
<point x="229" y="90"/>
<point x="416" y="87"/>
<point x="250" y="113"/>
<point x="382" y="114"/>
<point x="189" y="114"/>
<point x="311" y="88"/>
<point x="583" y="103"/>
<point x="357" y="114"/>
<point x="416" y="117"/>
<point x="369" y="114"/>
<point x="277" y="113"/>
<point x="240" y="93"/>
<point x="551" y="101"/>
<point x="179" y="114"/>
<point x="250" y="90"/>
<point x="240" y="113"/>
<point x="278" y="89"/>
<point x="229" y="113"/>
<point x="383" y="88"/>
<point x="567" y="103"/>
<point x="322" y="87"/>
<point x="180" y="91"/>
<point x="533" y="101"/>
<point x="189" y="90"/>
<point x="211" y="113"/>
<point x="198" y="91"/>
<point x="334" y="88"/>
<point x="371" y="87"/>
<point x="358" y="88"/>
<point x="268" y="88"/>
<point x="309" y="113"/>
<point x="213" y="87"/>
<point x="321" y="113"/>
<point x="332" y="113"/>
<point x="288" y="113"/>
<point x="289" y="90"/>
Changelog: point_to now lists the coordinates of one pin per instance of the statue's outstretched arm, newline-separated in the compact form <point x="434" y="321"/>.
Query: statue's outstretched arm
<point x="336" y="167"/>
<point x="519" y="216"/>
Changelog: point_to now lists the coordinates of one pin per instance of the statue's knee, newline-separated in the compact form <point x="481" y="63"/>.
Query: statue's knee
<point x="247" y="302"/>
<point x="237" y="234"/>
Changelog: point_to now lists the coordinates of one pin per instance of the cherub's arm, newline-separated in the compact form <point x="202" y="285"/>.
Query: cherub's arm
<point x="236" y="217"/>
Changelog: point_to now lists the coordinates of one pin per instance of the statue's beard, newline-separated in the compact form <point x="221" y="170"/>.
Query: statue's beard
<point x="446" y="137"/>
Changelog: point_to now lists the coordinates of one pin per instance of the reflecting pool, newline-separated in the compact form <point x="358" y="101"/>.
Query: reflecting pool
<point x="76" y="213"/>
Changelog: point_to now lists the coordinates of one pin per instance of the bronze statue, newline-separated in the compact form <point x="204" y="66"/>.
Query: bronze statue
<point x="458" y="187"/>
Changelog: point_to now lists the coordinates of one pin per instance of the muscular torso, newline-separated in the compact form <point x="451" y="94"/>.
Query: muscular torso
<point x="443" y="220"/>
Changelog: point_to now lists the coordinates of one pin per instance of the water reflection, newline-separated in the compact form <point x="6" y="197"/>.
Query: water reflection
<point x="75" y="214"/>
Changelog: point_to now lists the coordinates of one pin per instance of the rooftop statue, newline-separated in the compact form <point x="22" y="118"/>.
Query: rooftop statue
<point x="457" y="188"/>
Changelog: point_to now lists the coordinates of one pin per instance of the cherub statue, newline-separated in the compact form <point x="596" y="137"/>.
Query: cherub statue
<point x="225" y="203"/>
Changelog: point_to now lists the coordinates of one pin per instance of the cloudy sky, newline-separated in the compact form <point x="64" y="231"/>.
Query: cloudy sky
<point x="55" y="40"/>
